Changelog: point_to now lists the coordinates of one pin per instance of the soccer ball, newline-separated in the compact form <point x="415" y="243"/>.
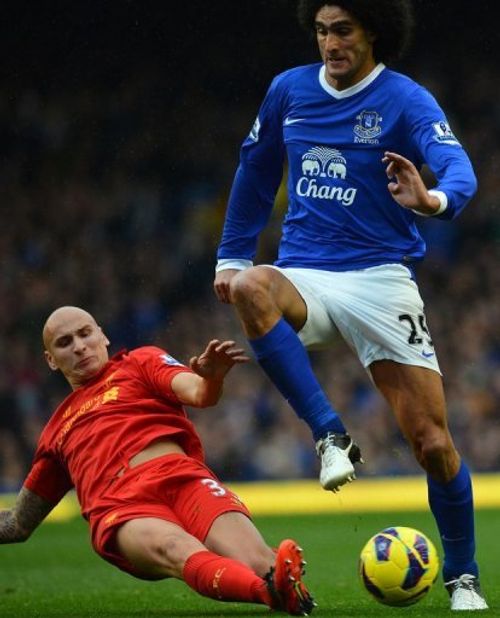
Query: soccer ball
<point x="398" y="566"/>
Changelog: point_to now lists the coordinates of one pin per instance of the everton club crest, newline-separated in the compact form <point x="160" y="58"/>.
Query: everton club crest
<point x="368" y="128"/>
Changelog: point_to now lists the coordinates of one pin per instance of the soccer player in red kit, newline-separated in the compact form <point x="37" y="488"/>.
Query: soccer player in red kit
<point x="122" y="439"/>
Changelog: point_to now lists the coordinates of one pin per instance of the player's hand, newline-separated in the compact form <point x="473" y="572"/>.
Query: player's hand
<point x="217" y="359"/>
<point x="406" y="185"/>
<point x="222" y="284"/>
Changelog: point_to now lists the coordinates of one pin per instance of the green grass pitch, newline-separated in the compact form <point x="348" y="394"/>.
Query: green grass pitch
<point x="56" y="573"/>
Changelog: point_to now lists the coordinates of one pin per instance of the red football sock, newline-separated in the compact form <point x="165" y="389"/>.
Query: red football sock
<point x="224" y="579"/>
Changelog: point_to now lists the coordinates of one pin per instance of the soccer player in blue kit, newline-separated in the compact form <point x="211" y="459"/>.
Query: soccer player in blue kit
<point x="355" y="135"/>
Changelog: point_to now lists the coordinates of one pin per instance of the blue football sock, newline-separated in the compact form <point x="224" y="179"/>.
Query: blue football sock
<point x="452" y="506"/>
<point x="285" y="360"/>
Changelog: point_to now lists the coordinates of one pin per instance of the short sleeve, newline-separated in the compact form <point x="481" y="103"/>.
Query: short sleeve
<point x="48" y="479"/>
<point x="159" y="368"/>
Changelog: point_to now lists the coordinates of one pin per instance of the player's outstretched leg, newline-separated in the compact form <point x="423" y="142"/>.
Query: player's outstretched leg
<point x="298" y="384"/>
<point x="338" y="454"/>
<point x="284" y="581"/>
<point x="465" y="593"/>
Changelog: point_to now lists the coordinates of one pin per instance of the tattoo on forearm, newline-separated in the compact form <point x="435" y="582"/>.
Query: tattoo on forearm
<point x="8" y="527"/>
<point x="19" y="522"/>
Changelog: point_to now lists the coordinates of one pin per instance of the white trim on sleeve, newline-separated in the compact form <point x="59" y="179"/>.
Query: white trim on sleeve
<point x="233" y="263"/>
<point x="443" y="203"/>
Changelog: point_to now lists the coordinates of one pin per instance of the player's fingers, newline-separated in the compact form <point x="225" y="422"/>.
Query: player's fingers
<point x="401" y="163"/>
<point x="224" y="347"/>
<point x="218" y="290"/>
<point x="212" y="345"/>
<point x="221" y="297"/>
<point x="398" y="162"/>
<point x="393" y="171"/>
<point x="235" y="352"/>
<point x="222" y="293"/>
<point x="227" y="343"/>
<point x="394" y="156"/>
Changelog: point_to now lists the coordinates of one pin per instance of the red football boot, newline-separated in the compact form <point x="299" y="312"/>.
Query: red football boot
<point x="284" y="581"/>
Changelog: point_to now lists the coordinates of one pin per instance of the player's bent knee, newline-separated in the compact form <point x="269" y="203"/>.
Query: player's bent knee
<point x="247" y="283"/>
<point x="438" y="456"/>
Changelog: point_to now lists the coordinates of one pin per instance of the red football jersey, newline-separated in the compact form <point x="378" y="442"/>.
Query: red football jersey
<point x="97" y="429"/>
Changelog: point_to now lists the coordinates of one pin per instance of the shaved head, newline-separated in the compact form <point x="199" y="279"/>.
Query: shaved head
<point x="60" y="316"/>
<point x="74" y="344"/>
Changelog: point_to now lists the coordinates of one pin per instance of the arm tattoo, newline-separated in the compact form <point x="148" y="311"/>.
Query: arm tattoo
<point x="18" y="523"/>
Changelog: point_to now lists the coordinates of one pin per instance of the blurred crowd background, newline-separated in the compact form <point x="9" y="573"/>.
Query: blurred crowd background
<point x="120" y="127"/>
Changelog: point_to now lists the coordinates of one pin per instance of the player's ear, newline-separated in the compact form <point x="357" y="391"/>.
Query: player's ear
<point x="106" y="340"/>
<point x="50" y="361"/>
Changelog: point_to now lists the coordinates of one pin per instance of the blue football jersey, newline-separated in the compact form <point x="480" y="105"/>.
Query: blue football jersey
<point x="340" y="213"/>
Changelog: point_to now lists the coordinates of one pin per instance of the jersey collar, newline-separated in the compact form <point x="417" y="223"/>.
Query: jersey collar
<point x="348" y="92"/>
<point x="104" y="369"/>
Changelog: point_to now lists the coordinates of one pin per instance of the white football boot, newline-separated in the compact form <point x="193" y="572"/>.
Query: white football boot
<point x="465" y="593"/>
<point x="338" y="453"/>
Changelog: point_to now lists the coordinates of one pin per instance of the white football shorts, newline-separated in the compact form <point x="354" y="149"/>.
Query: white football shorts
<point x="378" y="311"/>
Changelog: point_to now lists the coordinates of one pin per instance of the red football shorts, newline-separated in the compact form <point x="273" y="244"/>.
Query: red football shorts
<point x="173" y="487"/>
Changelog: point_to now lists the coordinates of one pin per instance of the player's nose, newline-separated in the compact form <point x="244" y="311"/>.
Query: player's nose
<point x="78" y="344"/>
<point x="331" y="42"/>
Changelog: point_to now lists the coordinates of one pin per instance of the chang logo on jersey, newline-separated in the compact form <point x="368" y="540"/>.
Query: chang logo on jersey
<point x="254" y="133"/>
<point x="443" y="133"/>
<point x="320" y="165"/>
<point x="368" y="128"/>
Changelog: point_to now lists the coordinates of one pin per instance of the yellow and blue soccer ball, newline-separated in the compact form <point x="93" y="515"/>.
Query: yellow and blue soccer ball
<point x="398" y="565"/>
